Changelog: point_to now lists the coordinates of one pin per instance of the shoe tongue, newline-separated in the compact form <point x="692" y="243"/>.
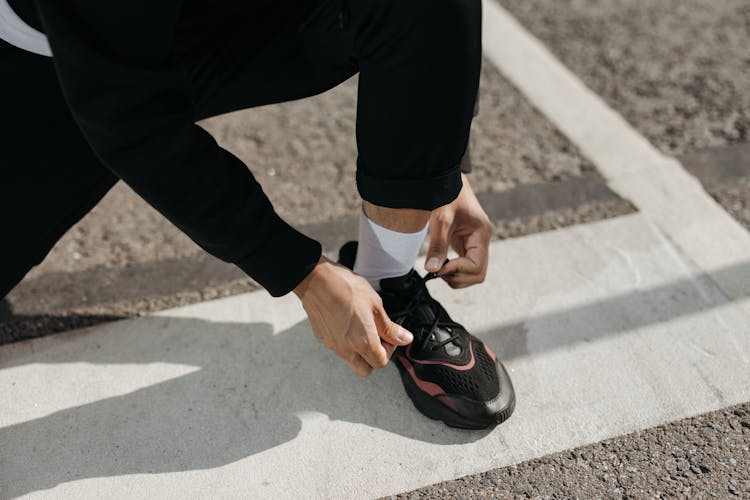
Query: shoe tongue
<point x="408" y="286"/>
<point x="409" y="283"/>
<point x="451" y="348"/>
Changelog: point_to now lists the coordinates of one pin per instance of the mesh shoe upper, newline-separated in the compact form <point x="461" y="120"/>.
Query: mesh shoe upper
<point x="443" y="352"/>
<point x="479" y="383"/>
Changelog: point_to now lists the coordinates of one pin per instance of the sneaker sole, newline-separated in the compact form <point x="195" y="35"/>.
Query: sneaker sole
<point x="433" y="408"/>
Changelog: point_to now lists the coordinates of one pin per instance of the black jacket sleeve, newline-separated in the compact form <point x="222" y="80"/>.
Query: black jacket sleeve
<point x="133" y="101"/>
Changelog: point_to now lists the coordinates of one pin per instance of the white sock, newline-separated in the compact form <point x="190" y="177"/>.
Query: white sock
<point x="383" y="253"/>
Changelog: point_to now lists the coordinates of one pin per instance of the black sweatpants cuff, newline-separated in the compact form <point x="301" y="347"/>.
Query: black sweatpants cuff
<point x="427" y="193"/>
<point x="286" y="258"/>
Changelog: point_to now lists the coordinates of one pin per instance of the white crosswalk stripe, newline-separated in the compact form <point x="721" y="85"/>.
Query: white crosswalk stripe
<point x="605" y="327"/>
<point x="657" y="185"/>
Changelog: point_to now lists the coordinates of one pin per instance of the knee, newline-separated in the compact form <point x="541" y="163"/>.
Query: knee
<point x="463" y="16"/>
<point x="417" y="12"/>
<point x="460" y="14"/>
<point x="430" y="9"/>
<point x="437" y="17"/>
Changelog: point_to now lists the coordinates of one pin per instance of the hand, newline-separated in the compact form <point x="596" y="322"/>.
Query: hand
<point x="348" y="316"/>
<point x="467" y="229"/>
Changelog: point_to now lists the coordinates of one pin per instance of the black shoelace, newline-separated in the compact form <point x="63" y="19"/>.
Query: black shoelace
<point x="422" y="299"/>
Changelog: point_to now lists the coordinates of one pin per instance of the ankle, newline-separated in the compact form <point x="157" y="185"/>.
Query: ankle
<point x="402" y="220"/>
<point x="385" y="252"/>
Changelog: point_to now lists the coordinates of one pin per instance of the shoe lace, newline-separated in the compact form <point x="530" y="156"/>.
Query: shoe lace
<point x="423" y="299"/>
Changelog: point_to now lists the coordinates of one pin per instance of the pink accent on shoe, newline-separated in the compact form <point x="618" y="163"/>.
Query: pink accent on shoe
<point x="467" y="366"/>
<point x="430" y="388"/>
<point x="447" y="402"/>
<point x="490" y="353"/>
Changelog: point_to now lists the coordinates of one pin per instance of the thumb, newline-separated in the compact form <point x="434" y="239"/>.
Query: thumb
<point x="389" y="348"/>
<point x="391" y="332"/>
<point x="438" y="252"/>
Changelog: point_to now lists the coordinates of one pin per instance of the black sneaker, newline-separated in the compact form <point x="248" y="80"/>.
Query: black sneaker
<point x="449" y="374"/>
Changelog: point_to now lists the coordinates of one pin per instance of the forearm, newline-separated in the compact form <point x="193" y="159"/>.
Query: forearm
<point x="133" y="101"/>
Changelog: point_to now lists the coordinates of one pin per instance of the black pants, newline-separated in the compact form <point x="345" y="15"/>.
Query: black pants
<point x="413" y="113"/>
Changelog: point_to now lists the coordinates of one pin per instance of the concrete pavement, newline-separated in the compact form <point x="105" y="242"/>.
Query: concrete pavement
<point x="606" y="329"/>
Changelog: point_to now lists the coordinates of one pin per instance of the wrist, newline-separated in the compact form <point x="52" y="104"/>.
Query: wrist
<point x="301" y="289"/>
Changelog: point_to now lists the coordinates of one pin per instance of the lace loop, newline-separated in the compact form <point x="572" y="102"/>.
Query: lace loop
<point x="422" y="298"/>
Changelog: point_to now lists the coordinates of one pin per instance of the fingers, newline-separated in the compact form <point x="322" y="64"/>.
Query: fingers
<point x="459" y="273"/>
<point x="460" y="266"/>
<point x="358" y="365"/>
<point x="439" y="242"/>
<point x="389" y="349"/>
<point x="364" y="340"/>
<point x="376" y="340"/>
<point x="374" y="352"/>
<point x="467" y="270"/>
<point x="389" y="331"/>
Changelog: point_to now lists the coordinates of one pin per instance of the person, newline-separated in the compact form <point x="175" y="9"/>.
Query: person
<point x="94" y="92"/>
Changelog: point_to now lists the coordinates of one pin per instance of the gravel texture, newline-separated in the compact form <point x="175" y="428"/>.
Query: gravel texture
<point x="61" y="301"/>
<point x="512" y="144"/>
<point x="121" y="230"/>
<point x="555" y="219"/>
<point x="677" y="70"/>
<point x="18" y="327"/>
<point x="303" y="153"/>
<point x="702" y="457"/>
<point x="736" y="200"/>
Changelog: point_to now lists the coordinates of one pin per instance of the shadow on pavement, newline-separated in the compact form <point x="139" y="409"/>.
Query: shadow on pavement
<point x="622" y="313"/>
<point x="251" y="389"/>
<point x="18" y="327"/>
<point x="249" y="393"/>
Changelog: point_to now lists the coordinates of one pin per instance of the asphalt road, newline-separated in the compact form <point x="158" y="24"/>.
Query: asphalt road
<point x="702" y="457"/>
<point x="125" y="259"/>
<point x="677" y="70"/>
<point x="303" y="153"/>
